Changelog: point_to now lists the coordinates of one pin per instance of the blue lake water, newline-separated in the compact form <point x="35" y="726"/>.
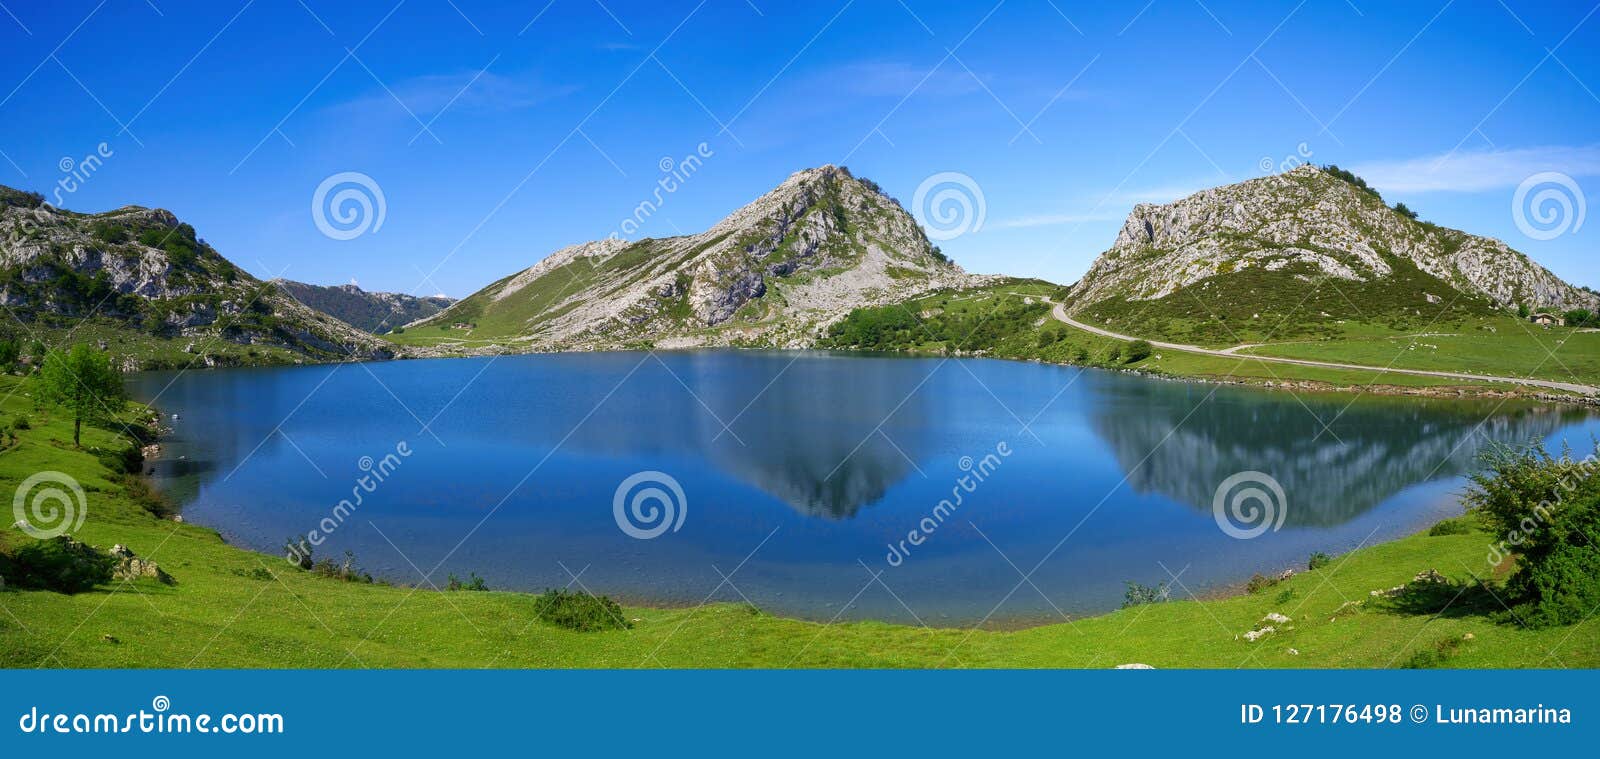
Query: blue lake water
<point x="799" y="471"/>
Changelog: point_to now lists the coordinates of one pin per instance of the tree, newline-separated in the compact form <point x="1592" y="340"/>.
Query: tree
<point x="1403" y="210"/>
<point x="1138" y="350"/>
<point x="10" y="351"/>
<point x="83" y="381"/>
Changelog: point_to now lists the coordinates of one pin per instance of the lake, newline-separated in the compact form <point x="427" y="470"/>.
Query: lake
<point x="811" y="484"/>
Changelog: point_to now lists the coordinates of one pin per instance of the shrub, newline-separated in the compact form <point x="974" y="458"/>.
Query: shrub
<point x="1457" y="526"/>
<point x="1404" y="210"/>
<point x="579" y="611"/>
<point x="140" y="491"/>
<point x="1318" y="560"/>
<point x="60" y="564"/>
<point x="1352" y="179"/>
<point x="110" y="234"/>
<point x="1546" y="509"/>
<point x="1259" y="582"/>
<point x="125" y="460"/>
<point x="473" y="583"/>
<point x="1139" y="595"/>
<point x="1138" y="350"/>
<point x="344" y="570"/>
<point x="1434" y="656"/>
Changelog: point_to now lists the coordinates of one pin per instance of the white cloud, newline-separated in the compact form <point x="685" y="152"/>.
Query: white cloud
<point x="1478" y="170"/>
<point x="478" y="91"/>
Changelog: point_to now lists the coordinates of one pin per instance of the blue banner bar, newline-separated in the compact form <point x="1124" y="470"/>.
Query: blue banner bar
<point x="815" y="713"/>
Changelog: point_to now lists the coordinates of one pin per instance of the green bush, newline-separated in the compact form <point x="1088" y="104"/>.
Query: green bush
<point x="1138" y="350"/>
<point x="473" y="583"/>
<point x="140" y="491"/>
<point x="1434" y="656"/>
<point x="110" y="234"/>
<point x="1259" y="582"/>
<point x="1545" y="510"/>
<point x="1457" y="526"/>
<point x="1139" y="595"/>
<point x="1318" y="560"/>
<point x="60" y="564"/>
<point x="579" y="611"/>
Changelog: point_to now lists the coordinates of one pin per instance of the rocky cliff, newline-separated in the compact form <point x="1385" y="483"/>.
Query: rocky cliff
<point x="772" y="273"/>
<point x="1311" y="222"/>
<point x="142" y="270"/>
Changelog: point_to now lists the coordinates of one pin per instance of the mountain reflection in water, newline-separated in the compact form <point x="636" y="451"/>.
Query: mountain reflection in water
<point x="800" y="469"/>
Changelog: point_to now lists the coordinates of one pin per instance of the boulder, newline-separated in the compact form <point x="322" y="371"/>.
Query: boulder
<point x="131" y="567"/>
<point x="1134" y="665"/>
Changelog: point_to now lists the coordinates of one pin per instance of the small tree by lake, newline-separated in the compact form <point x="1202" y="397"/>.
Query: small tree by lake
<point x="1138" y="350"/>
<point x="82" y="380"/>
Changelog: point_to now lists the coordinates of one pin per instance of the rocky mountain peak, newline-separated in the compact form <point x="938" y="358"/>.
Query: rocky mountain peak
<point x="804" y="253"/>
<point x="1315" y="223"/>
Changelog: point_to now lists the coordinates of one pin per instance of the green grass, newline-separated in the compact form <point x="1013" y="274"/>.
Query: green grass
<point x="153" y="352"/>
<point x="1503" y="346"/>
<point x="996" y="321"/>
<point x="1295" y="302"/>
<point x="235" y="608"/>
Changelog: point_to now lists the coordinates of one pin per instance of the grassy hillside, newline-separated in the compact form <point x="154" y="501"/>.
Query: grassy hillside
<point x="235" y="608"/>
<point x="1255" y="304"/>
<point x="146" y="282"/>
<point x="996" y="320"/>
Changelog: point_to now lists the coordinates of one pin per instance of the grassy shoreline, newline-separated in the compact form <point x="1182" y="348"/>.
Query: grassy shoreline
<point x="232" y="607"/>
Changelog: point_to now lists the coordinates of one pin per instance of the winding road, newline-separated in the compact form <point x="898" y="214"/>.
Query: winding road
<point x="1059" y="311"/>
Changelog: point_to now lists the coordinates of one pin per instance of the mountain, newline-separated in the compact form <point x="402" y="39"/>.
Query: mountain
<point x="367" y="311"/>
<point x="772" y="273"/>
<point x="1264" y="249"/>
<point x="140" y="278"/>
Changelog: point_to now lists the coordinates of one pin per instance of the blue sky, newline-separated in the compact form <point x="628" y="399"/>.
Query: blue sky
<point x="498" y="132"/>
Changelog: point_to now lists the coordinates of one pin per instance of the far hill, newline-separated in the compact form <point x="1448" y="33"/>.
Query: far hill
<point x="374" y="312"/>
<point x="143" y="284"/>
<point x="773" y="273"/>
<point x="1297" y="255"/>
